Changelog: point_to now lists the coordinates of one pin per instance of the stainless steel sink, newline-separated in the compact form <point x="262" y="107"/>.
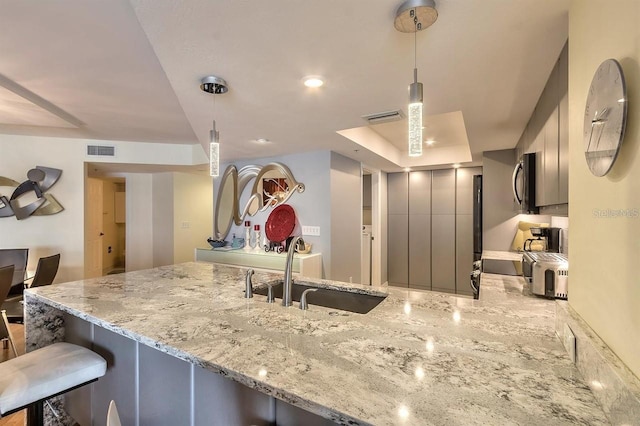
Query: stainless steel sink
<point x="329" y="298"/>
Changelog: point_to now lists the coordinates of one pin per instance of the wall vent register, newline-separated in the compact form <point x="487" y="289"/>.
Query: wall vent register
<point x="101" y="150"/>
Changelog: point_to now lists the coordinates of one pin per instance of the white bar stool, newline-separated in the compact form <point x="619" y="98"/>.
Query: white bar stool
<point x="29" y="380"/>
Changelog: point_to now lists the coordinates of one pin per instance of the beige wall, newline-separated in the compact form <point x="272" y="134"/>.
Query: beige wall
<point x="605" y="252"/>
<point x="46" y="235"/>
<point x="162" y="214"/>
<point x="139" y="239"/>
<point x="192" y="213"/>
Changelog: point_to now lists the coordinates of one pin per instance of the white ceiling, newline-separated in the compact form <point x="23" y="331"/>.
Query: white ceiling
<point x="131" y="70"/>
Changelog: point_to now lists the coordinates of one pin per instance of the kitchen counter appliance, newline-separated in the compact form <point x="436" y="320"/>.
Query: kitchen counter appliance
<point x="548" y="273"/>
<point x="550" y="239"/>
<point x="523" y="183"/>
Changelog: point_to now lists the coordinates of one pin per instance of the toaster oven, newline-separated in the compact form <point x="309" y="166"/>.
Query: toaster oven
<point x="548" y="274"/>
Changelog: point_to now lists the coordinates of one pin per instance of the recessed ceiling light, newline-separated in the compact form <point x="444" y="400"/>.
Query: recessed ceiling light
<point x="407" y="169"/>
<point x="313" y="81"/>
<point x="429" y="142"/>
<point x="262" y="140"/>
<point x="455" y="166"/>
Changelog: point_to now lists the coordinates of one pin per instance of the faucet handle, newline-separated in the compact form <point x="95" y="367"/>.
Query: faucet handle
<point x="270" y="296"/>
<point x="303" y="299"/>
<point x="248" y="290"/>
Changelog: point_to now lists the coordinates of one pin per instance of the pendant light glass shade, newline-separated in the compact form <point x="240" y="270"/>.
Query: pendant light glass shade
<point x="415" y="129"/>
<point x="214" y="151"/>
<point x="415" y="117"/>
<point x="214" y="159"/>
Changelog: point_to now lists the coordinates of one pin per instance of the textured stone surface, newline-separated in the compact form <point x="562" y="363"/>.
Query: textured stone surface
<point x="419" y="358"/>
<point x="613" y="384"/>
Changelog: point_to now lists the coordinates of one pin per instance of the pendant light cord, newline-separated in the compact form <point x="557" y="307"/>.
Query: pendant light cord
<point x="415" y="42"/>
<point x="415" y="46"/>
<point x="214" y="105"/>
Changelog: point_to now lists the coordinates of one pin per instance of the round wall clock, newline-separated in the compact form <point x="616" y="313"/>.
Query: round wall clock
<point x="605" y="117"/>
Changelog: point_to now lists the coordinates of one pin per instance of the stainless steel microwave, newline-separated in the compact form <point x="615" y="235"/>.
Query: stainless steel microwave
<point x="523" y="184"/>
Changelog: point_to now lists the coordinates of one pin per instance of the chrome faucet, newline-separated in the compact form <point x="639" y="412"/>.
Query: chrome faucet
<point x="288" y="269"/>
<point x="248" y="289"/>
<point x="304" y="305"/>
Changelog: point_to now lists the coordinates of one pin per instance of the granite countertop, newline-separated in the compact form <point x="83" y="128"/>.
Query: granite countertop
<point x="501" y="255"/>
<point x="418" y="358"/>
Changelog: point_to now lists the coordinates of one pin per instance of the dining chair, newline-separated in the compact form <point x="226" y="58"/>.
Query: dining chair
<point x="6" y="274"/>
<point x="17" y="258"/>
<point x="45" y="273"/>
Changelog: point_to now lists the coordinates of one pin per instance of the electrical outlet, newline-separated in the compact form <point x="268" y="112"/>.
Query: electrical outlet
<point x="570" y="342"/>
<point x="186" y="225"/>
<point x="313" y="231"/>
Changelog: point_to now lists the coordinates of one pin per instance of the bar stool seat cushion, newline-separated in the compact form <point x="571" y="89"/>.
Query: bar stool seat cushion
<point x="46" y="372"/>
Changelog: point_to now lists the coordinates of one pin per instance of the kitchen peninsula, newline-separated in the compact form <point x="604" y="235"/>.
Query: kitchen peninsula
<point x="183" y="341"/>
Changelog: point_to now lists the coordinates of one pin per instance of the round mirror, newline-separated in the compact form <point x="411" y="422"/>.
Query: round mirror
<point x="225" y="204"/>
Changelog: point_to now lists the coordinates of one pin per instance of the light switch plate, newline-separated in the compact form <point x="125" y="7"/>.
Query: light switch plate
<point x="570" y="342"/>
<point x="312" y="231"/>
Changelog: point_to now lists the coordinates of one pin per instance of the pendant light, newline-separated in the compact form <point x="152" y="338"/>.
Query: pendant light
<point x="215" y="86"/>
<point x="413" y="16"/>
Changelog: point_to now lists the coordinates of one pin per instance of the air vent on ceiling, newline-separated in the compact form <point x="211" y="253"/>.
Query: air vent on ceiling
<point x="107" y="151"/>
<point x="384" y="117"/>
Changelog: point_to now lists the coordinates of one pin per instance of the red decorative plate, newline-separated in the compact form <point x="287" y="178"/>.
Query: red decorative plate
<point x="280" y="223"/>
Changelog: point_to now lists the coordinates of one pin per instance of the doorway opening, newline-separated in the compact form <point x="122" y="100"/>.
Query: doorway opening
<point x="105" y="226"/>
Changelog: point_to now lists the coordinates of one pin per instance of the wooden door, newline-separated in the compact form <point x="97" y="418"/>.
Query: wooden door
<point x="93" y="228"/>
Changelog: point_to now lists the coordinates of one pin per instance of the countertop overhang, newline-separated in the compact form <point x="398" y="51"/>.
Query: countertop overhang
<point x="417" y="358"/>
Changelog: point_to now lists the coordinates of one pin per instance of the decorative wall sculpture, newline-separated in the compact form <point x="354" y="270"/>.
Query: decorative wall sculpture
<point x="39" y="180"/>
<point x="232" y="185"/>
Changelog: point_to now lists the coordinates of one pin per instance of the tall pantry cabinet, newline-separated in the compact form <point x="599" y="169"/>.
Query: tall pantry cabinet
<point x="430" y="229"/>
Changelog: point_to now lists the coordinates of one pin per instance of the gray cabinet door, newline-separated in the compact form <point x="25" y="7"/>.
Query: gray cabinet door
<point x="420" y="192"/>
<point x="398" y="193"/>
<point x="420" y="251"/>
<point x="398" y="229"/>
<point x="443" y="252"/>
<point x="551" y="159"/>
<point x="539" y="150"/>
<point x="398" y="250"/>
<point x="443" y="188"/>
<point x="563" y="127"/>
<point x="420" y="230"/>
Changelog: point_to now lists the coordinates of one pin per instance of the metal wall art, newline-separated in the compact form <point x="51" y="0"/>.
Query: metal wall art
<point x="233" y="183"/>
<point x="39" y="180"/>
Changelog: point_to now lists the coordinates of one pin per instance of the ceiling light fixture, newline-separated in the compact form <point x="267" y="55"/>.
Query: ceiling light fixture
<point x="413" y="16"/>
<point x="429" y="142"/>
<point x="262" y="140"/>
<point x="215" y="86"/>
<point x="313" y="81"/>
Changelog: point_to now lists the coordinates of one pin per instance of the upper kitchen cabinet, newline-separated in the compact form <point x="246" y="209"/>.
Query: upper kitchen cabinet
<point x="546" y="134"/>
<point x="563" y="126"/>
